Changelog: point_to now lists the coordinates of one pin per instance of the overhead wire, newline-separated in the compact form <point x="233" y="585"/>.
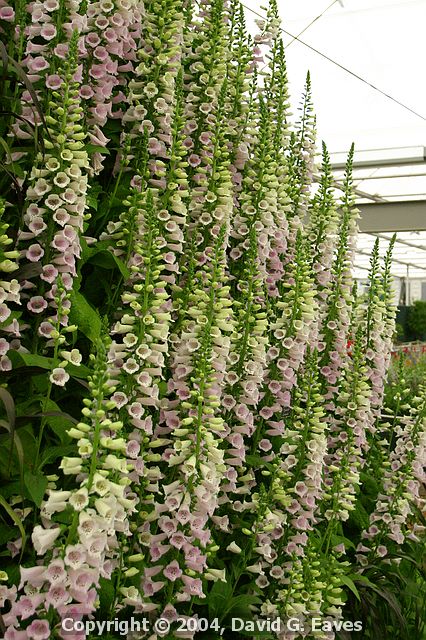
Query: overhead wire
<point x="308" y="26"/>
<point x="341" y="66"/>
<point x="355" y="75"/>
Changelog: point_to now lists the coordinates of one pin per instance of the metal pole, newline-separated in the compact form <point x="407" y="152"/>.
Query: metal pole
<point x="408" y="286"/>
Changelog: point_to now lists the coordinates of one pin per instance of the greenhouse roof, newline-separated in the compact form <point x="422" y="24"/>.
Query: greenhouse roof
<point x="363" y="58"/>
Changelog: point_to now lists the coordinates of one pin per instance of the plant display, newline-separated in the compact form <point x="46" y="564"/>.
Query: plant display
<point x="417" y="319"/>
<point x="192" y="390"/>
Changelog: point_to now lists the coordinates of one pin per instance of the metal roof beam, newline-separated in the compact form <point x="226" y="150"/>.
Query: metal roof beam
<point x="407" y="264"/>
<point x="379" y="217"/>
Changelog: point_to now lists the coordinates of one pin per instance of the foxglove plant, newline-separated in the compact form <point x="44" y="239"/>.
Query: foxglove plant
<point x="56" y="203"/>
<point x="9" y="293"/>
<point x="399" y="494"/>
<point x="215" y="446"/>
<point x="76" y="555"/>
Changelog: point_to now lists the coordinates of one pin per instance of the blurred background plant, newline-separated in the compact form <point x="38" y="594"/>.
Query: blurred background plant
<point x="417" y="319"/>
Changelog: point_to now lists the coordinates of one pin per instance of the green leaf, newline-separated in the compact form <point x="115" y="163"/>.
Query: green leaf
<point x="58" y="424"/>
<point x="256" y="462"/>
<point x="36" y="485"/>
<point x="64" y="517"/>
<point x="6" y="506"/>
<point x="238" y="607"/>
<point x="359" y="517"/>
<point x="9" y="405"/>
<point x="346" y="580"/>
<point x="369" y="483"/>
<point x="53" y="453"/>
<point x="92" y="202"/>
<point x="93" y="148"/>
<point x="85" y="316"/>
<point x="108" y="260"/>
<point x="19" y="359"/>
<point x="218" y="598"/>
<point x="335" y="540"/>
<point x="106" y="595"/>
<point x="14" y="315"/>
<point x="6" y="533"/>
<point x="11" y="489"/>
<point x="31" y="360"/>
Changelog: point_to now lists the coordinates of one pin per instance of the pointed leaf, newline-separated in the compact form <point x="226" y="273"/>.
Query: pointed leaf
<point x="36" y="485"/>
<point x="85" y="316"/>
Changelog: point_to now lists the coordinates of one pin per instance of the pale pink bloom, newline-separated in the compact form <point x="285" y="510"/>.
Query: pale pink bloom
<point x="266" y="412"/>
<point x="37" y="225"/>
<point x="300" y="488"/>
<point x="130" y="366"/>
<point x="184" y="515"/>
<point x="120" y="399"/>
<point x="34" y="253"/>
<point x="172" y="571"/>
<point x="70" y="233"/>
<point x="33" y="209"/>
<point x="32" y="575"/>
<point x="69" y="196"/>
<point x="27" y="605"/>
<point x="301" y="523"/>
<point x="82" y="578"/>
<point x="75" y="556"/>
<point x="55" y="572"/>
<point x="59" y="376"/>
<point x="101" y="54"/>
<point x="61" y="179"/>
<point x="38" y="630"/>
<point x="41" y="187"/>
<point x="133" y="448"/>
<point x="60" y="242"/>
<point x="53" y="201"/>
<point x="93" y="39"/>
<point x="158" y="550"/>
<point x="57" y="596"/>
<point x="43" y="539"/>
<point x="193" y="586"/>
<point x="340" y="548"/>
<point x="150" y="587"/>
<point x="49" y="273"/>
<point x="276" y="572"/>
<point x="61" y="216"/>
<point x="167" y="524"/>
<point x="61" y="50"/>
<point x="144" y="379"/>
<point x="136" y="410"/>
<point x="96" y="545"/>
<point x="48" y="31"/>
<point x="38" y="64"/>
<point x="36" y="304"/>
<point x="45" y="329"/>
<point x="4" y="346"/>
<point x="194" y="559"/>
<point x="67" y="281"/>
<point x="86" y="92"/>
<point x="97" y="137"/>
<point x="265" y="445"/>
<point x="4" y="312"/>
<point x="12" y="634"/>
<point x="241" y="411"/>
<point x="53" y="81"/>
<point x="7" y="14"/>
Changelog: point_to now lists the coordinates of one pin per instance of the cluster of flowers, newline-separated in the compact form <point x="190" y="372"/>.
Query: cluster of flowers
<point x="226" y="422"/>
